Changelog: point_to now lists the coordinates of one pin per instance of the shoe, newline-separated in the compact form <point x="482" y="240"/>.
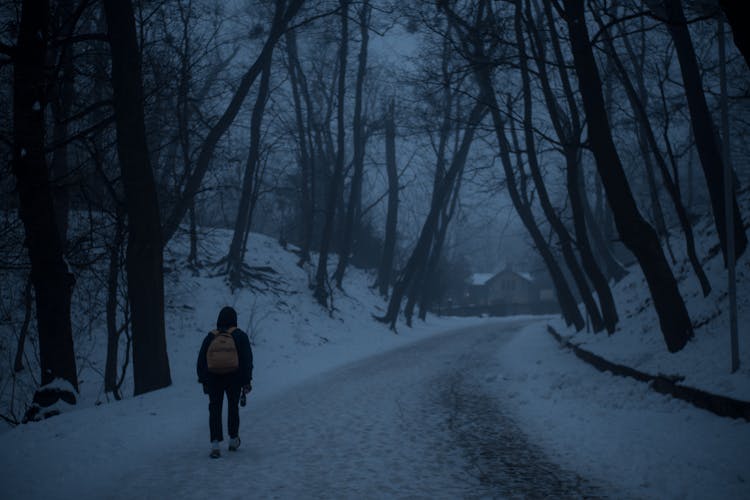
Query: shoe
<point x="215" y="451"/>
<point x="234" y="443"/>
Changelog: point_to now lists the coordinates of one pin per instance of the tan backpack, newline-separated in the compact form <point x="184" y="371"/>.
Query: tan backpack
<point x="222" y="354"/>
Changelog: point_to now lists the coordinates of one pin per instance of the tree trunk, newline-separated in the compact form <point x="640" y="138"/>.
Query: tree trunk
<point x="193" y="260"/>
<point x="355" y="193"/>
<point x="236" y="254"/>
<point x="428" y="264"/>
<point x="549" y="211"/>
<point x="52" y="281"/>
<point x="599" y="234"/>
<point x="706" y="138"/>
<point x="635" y="232"/>
<point x="449" y="116"/>
<point x="61" y="99"/>
<point x="599" y="228"/>
<point x="334" y="189"/>
<point x="306" y="209"/>
<point x="391" y="221"/>
<point x="184" y="113"/>
<point x="28" y="306"/>
<point x="570" y="137"/>
<point x="421" y="251"/>
<point x="638" y="104"/>
<point x="113" y="334"/>
<point x="427" y="293"/>
<point x="567" y="302"/>
<point x="144" y="259"/>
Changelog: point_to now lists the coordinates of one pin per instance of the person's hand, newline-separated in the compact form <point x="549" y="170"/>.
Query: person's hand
<point x="247" y="388"/>
<point x="205" y="388"/>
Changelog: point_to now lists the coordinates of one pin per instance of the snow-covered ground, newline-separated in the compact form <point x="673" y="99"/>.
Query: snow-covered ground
<point x="618" y="430"/>
<point x="705" y="362"/>
<point x="611" y="431"/>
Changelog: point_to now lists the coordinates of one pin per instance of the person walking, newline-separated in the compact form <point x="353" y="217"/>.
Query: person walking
<point x="225" y="366"/>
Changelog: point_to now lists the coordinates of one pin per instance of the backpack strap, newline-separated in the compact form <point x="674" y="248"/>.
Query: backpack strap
<point x="229" y="330"/>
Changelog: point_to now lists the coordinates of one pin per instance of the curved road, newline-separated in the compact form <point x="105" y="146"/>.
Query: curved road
<point x="419" y="421"/>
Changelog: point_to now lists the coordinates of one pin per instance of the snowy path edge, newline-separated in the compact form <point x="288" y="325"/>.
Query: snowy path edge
<point x="722" y="406"/>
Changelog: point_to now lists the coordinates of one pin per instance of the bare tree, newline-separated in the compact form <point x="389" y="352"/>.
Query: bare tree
<point x="636" y="233"/>
<point x="50" y="276"/>
<point x="208" y="145"/>
<point x="566" y="242"/>
<point x="385" y="270"/>
<point x="567" y="124"/>
<point x="418" y="259"/>
<point x="651" y="147"/>
<point x="704" y="131"/>
<point x="473" y="36"/>
<point x="321" y="291"/>
<point x="144" y="262"/>
<point x="354" y="206"/>
<point x="235" y="257"/>
<point x="304" y="129"/>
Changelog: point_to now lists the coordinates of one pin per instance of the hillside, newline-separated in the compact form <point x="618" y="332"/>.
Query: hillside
<point x="705" y="362"/>
<point x="292" y="335"/>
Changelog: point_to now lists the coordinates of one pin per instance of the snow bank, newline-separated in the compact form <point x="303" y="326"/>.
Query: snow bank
<point x="616" y="430"/>
<point x="705" y="362"/>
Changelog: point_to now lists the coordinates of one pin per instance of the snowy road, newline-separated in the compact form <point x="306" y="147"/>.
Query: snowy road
<point x="413" y="422"/>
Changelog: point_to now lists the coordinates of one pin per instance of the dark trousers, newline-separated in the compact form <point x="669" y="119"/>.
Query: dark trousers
<point x="216" y="390"/>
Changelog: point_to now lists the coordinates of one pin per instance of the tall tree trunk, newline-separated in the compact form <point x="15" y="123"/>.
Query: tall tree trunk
<point x="597" y="227"/>
<point x="706" y="138"/>
<point x="242" y="223"/>
<point x="449" y="116"/>
<point x="305" y="153"/>
<point x="391" y="220"/>
<point x="184" y="114"/>
<point x="113" y="333"/>
<point x="635" y="232"/>
<point x="638" y="104"/>
<point x="567" y="302"/>
<point x="144" y="259"/>
<point x="61" y="98"/>
<point x="419" y="255"/>
<point x="334" y="189"/>
<point x="314" y="144"/>
<point x="358" y="137"/>
<point x="559" y="228"/>
<point x="52" y="281"/>
<point x="193" y="260"/>
<point x="570" y="137"/>
<point x="434" y="249"/>
<point x="427" y="292"/>
<point x="28" y="299"/>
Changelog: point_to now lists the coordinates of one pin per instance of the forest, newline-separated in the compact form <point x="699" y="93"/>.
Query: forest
<point x="402" y="138"/>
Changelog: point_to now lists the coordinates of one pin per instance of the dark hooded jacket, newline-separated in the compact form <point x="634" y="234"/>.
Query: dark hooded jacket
<point x="244" y="375"/>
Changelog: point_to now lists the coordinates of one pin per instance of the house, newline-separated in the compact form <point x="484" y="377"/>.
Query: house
<point x="511" y="289"/>
<point x="508" y="292"/>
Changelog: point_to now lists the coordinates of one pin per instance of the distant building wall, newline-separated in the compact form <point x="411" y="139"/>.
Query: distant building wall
<point x="505" y="293"/>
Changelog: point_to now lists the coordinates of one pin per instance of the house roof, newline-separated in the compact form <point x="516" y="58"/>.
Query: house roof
<point x="478" y="279"/>
<point x="505" y="272"/>
<point x="526" y="276"/>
